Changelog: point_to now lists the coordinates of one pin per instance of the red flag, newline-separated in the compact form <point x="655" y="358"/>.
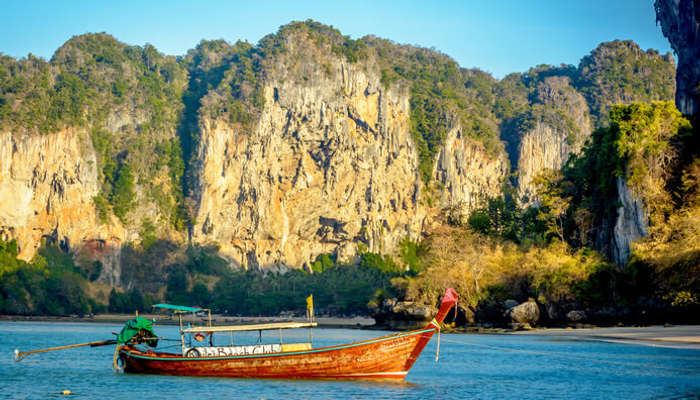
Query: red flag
<point x="450" y="296"/>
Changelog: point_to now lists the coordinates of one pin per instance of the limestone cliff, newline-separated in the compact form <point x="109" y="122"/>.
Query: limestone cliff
<point x="620" y="72"/>
<point x="466" y="174"/>
<point x="548" y="113"/>
<point x="47" y="184"/>
<point x="89" y="154"/>
<point x="631" y="224"/>
<point x="561" y="125"/>
<point x="680" y="22"/>
<point x="330" y="164"/>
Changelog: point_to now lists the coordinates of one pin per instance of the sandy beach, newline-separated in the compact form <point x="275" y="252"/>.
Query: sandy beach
<point x="675" y="336"/>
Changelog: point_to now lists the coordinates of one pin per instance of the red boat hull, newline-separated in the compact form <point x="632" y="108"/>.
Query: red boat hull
<point x="385" y="358"/>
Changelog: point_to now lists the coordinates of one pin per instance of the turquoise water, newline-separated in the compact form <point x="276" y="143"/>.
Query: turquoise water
<point x="470" y="366"/>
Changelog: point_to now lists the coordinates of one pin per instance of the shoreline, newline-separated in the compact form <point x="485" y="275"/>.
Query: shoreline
<point x="160" y="319"/>
<point x="670" y="336"/>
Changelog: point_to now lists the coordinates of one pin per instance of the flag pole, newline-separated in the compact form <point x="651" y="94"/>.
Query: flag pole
<point x="310" y="315"/>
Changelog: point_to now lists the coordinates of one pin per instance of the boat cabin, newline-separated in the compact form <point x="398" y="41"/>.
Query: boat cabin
<point x="191" y="336"/>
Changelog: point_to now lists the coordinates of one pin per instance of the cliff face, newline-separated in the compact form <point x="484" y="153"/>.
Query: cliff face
<point x="305" y="144"/>
<point x="88" y="149"/>
<point x="549" y="112"/>
<point x="47" y="185"/>
<point x="680" y="22"/>
<point x="561" y="126"/>
<point x="631" y="224"/>
<point x="466" y="174"/>
<point x="329" y="165"/>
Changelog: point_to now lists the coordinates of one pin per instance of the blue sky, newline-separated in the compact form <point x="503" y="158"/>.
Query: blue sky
<point x="499" y="36"/>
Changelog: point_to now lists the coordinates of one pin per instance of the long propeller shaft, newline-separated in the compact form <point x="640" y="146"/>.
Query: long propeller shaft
<point x="21" y="355"/>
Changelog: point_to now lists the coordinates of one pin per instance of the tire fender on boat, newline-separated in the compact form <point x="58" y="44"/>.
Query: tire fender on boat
<point x="192" y="353"/>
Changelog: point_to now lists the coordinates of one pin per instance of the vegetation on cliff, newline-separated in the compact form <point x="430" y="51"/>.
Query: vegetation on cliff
<point x="443" y="95"/>
<point x="86" y="80"/>
<point x="126" y="97"/>
<point x="545" y="252"/>
<point x="94" y="82"/>
<point x="641" y="145"/>
<point x="655" y="150"/>
<point x="619" y="72"/>
<point x="616" y="72"/>
<point x="224" y="82"/>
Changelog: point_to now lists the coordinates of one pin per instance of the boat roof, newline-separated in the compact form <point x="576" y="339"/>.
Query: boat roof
<point x="253" y="327"/>
<point x="177" y="308"/>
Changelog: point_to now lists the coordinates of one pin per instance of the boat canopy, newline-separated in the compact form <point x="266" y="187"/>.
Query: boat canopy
<point x="253" y="327"/>
<point x="137" y="326"/>
<point x="177" y="308"/>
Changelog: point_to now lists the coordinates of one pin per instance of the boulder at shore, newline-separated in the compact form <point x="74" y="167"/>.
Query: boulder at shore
<point x="576" y="316"/>
<point x="525" y="313"/>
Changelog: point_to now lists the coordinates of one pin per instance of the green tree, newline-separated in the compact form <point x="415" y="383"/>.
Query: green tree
<point x="200" y="294"/>
<point x="123" y="193"/>
<point x="322" y="263"/>
<point x="553" y="202"/>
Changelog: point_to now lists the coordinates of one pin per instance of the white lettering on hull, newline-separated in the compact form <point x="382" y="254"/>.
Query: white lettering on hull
<point x="221" y="351"/>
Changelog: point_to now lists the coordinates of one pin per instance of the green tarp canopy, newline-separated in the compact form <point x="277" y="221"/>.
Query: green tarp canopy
<point x="133" y="327"/>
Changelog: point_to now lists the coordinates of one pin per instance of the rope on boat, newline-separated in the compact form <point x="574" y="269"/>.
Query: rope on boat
<point x="572" y="357"/>
<point x="437" y="352"/>
<point x="437" y="327"/>
<point x="115" y="365"/>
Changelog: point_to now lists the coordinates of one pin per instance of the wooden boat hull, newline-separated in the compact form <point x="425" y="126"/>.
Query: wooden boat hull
<point x="385" y="358"/>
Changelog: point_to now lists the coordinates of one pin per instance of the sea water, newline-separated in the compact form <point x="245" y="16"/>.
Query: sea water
<point x="469" y="366"/>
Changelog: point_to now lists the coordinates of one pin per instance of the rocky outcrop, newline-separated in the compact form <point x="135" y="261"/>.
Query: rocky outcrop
<point x="680" y="23"/>
<point x="401" y="314"/>
<point x="575" y="316"/>
<point x="561" y="126"/>
<point x="525" y="313"/>
<point x="631" y="224"/>
<point x="47" y="185"/>
<point x="330" y="165"/>
<point x="465" y="173"/>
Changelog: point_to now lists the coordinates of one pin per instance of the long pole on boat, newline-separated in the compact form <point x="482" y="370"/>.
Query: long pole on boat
<point x="182" y="334"/>
<point x="310" y="314"/>
<point x="21" y="355"/>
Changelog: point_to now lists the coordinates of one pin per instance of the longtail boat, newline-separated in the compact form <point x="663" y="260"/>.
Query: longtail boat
<point x="384" y="358"/>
